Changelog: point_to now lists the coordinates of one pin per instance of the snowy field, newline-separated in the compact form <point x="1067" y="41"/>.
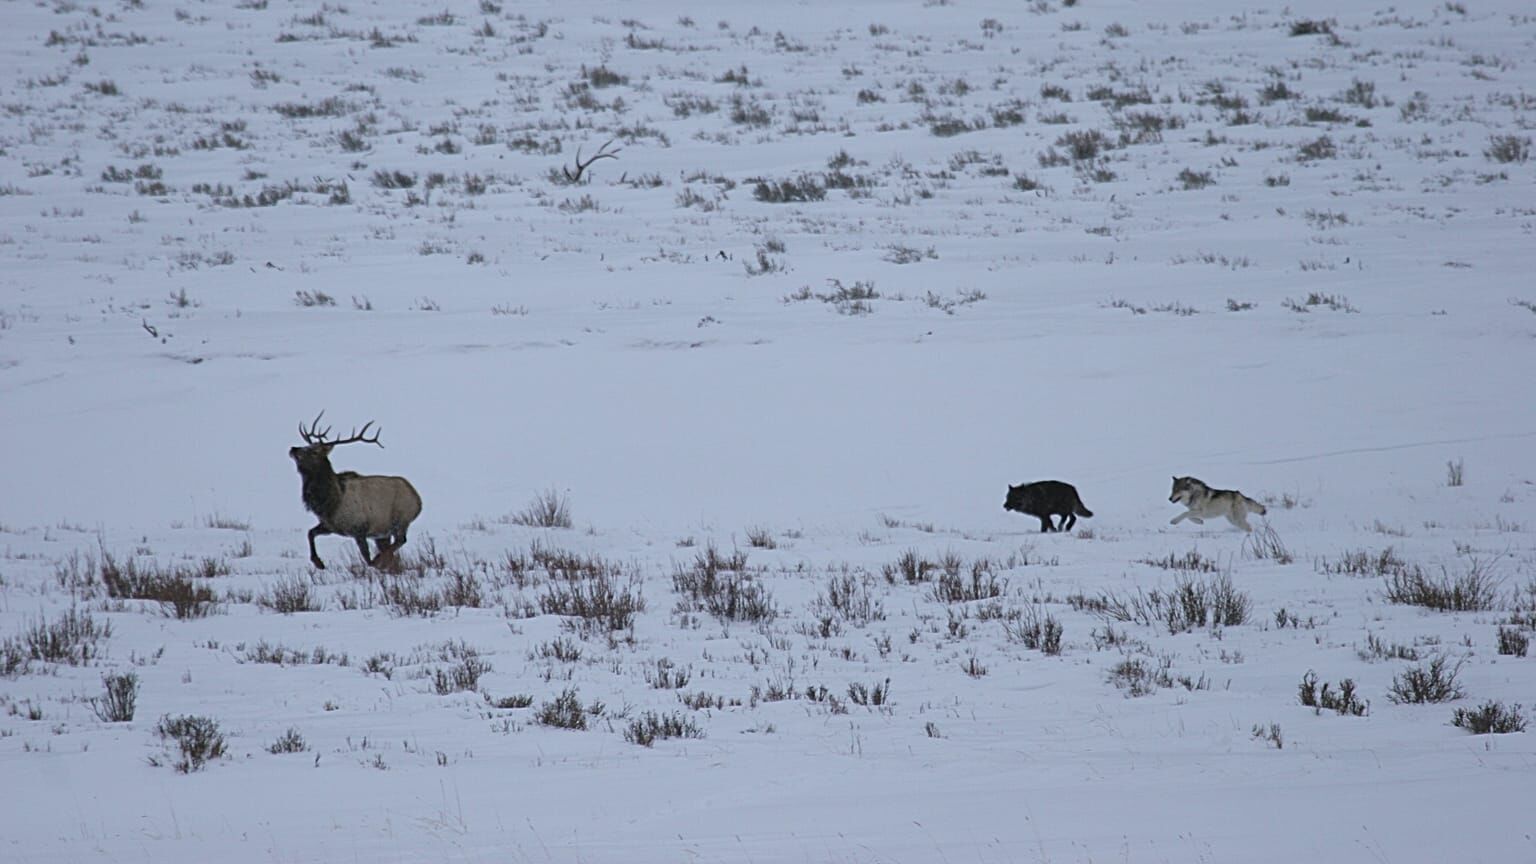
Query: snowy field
<point x="851" y="270"/>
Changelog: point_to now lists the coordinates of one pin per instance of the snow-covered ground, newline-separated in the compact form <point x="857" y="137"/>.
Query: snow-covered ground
<point x="1287" y="250"/>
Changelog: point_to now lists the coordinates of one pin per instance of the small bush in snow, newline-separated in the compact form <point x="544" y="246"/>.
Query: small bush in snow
<point x="198" y="739"/>
<point x="1269" y="734"/>
<point x="464" y="675"/>
<point x="598" y="602"/>
<point x="1474" y="590"/>
<point x="1322" y="148"/>
<point x="1037" y="630"/>
<point x="563" y="712"/>
<point x="1309" y="27"/>
<point x="650" y="726"/>
<point x="288" y="596"/>
<point x="1512" y="642"/>
<point x="1432" y="683"/>
<point x="1508" y="148"/>
<point x="911" y="568"/>
<point x="74" y="639"/>
<point x="876" y="695"/>
<point x="1455" y="473"/>
<point x="1191" y="562"/>
<point x="1137" y="677"/>
<point x="794" y="190"/>
<point x="119" y="693"/>
<point x="667" y="675"/>
<point x="1191" y="179"/>
<point x="1490" y="718"/>
<point x="313" y="298"/>
<point x="1265" y="544"/>
<point x="289" y="742"/>
<point x="1376" y="649"/>
<point x="720" y="586"/>
<point x="852" y="597"/>
<point x="548" y="509"/>
<point x="1340" y="701"/>
<point x="981" y="583"/>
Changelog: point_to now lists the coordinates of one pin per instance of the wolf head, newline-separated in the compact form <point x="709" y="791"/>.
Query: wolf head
<point x="1019" y="498"/>
<point x="1185" y="489"/>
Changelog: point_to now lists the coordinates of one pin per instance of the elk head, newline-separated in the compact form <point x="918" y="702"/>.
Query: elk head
<point x="316" y="452"/>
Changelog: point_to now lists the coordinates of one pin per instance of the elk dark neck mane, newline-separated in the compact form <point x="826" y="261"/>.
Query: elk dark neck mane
<point x="322" y="491"/>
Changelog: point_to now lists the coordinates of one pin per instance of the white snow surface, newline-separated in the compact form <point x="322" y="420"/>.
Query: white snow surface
<point x="1298" y="265"/>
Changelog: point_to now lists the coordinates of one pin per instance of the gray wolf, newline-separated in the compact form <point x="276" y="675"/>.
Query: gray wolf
<point x="1204" y="503"/>
<point x="1045" y="499"/>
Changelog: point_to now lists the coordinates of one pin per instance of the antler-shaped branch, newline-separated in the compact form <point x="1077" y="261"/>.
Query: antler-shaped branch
<point x="602" y="153"/>
<point x="312" y="437"/>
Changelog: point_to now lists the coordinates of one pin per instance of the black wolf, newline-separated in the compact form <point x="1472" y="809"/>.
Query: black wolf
<point x="1045" y="499"/>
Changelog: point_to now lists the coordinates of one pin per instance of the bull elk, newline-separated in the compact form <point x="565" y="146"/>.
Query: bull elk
<point x="354" y="505"/>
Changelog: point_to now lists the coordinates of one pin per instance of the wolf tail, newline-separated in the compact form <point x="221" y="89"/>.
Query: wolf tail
<point x="1256" y="506"/>
<point x="1081" y="510"/>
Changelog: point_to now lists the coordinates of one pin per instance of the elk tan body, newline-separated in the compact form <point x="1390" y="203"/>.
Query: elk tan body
<point x="360" y="506"/>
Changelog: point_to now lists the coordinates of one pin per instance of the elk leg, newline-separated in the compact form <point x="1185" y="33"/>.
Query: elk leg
<point x="314" y="557"/>
<point x="362" y="546"/>
<point x="399" y="537"/>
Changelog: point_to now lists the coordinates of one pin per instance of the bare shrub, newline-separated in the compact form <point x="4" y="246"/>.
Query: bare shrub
<point x="852" y="597"/>
<point x="1361" y="562"/>
<point x="980" y="583"/>
<point x="1432" y="683"/>
<point x="461" y="676"/>
<point x="563" y="712"/>
<point x="1508" y="149"/>
<point x="175" y="588"/>
<point x="667" y="675"/>
<point x="1138" y="677"/>
<point x="1189" y="604"/>
<point x="288" y="596"/>
<point x="1378" y="649"/>
<point x="548" y="509"/>
<point x="722" y="587"/>
<point x="1340" y="701"/>
<point x="1322" y="148"/>
<point x="649" y="727"/>
<point x="598" y="601"/>
<point x="1265" y="544"/>
<point x="1455" y="473"/>
<point x="1512" y="642"/>
<point x="74" y="639"/>
<point x="120" y="692"/>
<point x="1474" y="590"/>
<point x="1191" y="562"/>
<point x="872" y="696"/>
<point x="289" y="742"/>
<point x="1310" y="27"/>
<point x="1036" y="629"/>
<point x="803" y="189"/>
<point x="910" y="568"/>
<point x="198" y="739"/>
<point x="1490" y="718"/>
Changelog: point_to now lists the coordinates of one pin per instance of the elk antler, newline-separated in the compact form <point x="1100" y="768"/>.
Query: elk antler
<point x="309" y="435"/>
<point x="313" y="437"/>
<point x="602" y="153"/>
